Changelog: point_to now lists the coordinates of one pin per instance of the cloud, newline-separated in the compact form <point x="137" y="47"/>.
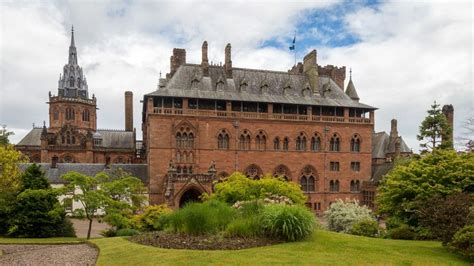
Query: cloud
<point x="404" y="55"/>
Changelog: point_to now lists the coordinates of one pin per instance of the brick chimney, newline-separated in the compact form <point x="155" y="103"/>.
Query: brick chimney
<point x="177" y="59"/>
<point x="310" y="68"/>
<point x="393" y="129"/>
<point x="228" y="61"/>
<point x="205" y="59"/>
<point x="128" y="111"/>
<point x="448" y="111"/>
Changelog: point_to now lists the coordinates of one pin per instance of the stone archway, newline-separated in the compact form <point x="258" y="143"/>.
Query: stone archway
<point x="190" y="195"/>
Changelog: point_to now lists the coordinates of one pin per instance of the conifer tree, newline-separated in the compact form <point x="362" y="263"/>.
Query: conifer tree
<point x="434" y="130"/>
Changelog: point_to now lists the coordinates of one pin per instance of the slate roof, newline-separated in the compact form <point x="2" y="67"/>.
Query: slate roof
<point x="379" y="171"/>
<point x="115" y="139"/>
<point x="54" y="174"/>
<point x="382" y="144"/>
<point x="247" y="84"/>
<point x="351" y="91"/>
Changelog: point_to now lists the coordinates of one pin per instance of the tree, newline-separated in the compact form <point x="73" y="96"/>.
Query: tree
<point x="4" y="134"/>
<point x="443" y="172"/>
<point x="118" y="195"/>
<point x="33" y="178"/>
<point x="434" y="129"/>
<point x="9" y="170"/>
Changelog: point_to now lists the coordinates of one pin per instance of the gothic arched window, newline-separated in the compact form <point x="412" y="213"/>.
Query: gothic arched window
<point x="184" y="139"/>
<point x="282" y="171"/>
<point x="316" y="142"/>
<point x="261" y="141"/>
<point x="276" y="144"/>
<point x="334" y="185"/>
<point x="244" y="140"/>
<point x="355" y="143"/>
<point x="307" y="179"/>
<point x="223" y="140"/>
<point x="70" y="113"/>
<point x="286" y="143"/>
<point x="253" y="171"/>
<point x="334" y="144"/>
<point x="78" y="82"/>
<point x="301" y="142"/>
<point x="85" y="115"/>
<point x="71" y="81"/>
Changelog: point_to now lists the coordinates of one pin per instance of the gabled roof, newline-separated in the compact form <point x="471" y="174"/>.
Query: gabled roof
<point x="54" y="174"/>
<point x="33" y="138"/>
<point x="383" y="144"/>
<point x="253" y="85"/>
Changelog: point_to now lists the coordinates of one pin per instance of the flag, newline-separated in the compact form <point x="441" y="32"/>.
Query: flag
<point x="292" y="47"/>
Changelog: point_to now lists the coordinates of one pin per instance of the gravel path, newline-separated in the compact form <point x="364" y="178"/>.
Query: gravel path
<point x="77" y="254"/>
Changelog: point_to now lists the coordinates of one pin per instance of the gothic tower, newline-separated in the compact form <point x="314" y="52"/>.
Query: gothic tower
<point x="72" y="106"/>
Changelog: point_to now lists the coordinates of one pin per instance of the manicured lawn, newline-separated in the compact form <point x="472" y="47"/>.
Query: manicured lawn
<point x="53" y="240"/>
<point x="322" y="248"/>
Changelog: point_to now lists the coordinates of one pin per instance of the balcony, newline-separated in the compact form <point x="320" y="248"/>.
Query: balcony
<point x="263" y="116"/>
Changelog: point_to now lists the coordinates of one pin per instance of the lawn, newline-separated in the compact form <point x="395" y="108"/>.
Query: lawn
<point x="322" y="248"/>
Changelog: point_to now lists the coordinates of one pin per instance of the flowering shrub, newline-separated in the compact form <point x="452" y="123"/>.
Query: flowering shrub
<point x="341" y="216"/>
<point x="269" y="199"/>
<point x="152" y="218"/>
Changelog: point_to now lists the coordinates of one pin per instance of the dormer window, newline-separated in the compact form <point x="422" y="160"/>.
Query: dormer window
<point x="194" y="83"/>
<point x="287" y="90"/>
<point x="264" y="88"/>
<point x="243" y="85"/>
<point x="220" y="85"/>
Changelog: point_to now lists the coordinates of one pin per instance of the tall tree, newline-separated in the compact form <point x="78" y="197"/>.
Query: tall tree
<point x="434" y="129"/>
<point x="4" y="134"/>
<point x="33" y="178"/>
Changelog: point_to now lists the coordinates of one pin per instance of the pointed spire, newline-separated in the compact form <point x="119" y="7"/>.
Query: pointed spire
<point x="72" y="36"/>
<point x="350" y="89"/>
<point x="72" y="49"/>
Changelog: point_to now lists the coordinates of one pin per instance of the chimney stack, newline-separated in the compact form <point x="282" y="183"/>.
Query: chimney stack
<point x="448" y="111"/>
<point x="228" y="61"/>
<point x="205" y="59"/>
<point x="310" y="68"/>
<point x="128" y="111"/>
<point x="177" y="59"/>
<point x="393" y="129"/>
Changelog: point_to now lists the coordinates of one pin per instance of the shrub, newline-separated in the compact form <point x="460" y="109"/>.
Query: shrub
<point x="288" y="222"/>
<point x="365" y="228"/>
<point x="244" y="227"/>
<point x="342" y="215"/>
<point x="127" y="232"/>
<point x="238" y="187"/>
<point x="154" y="218"/>
<point x="463" y="242"/>
<point x="37" y="214"/>
<point x="402" y="232"/>
<point x="66" y="229"/>
<point x="444" y="216"/>
<point x="201" y="218"/>
<point x="108" y="232"/>
<point x="33" y="178"/>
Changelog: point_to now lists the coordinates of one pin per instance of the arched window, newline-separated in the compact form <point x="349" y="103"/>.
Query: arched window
<point x="276" y="144"/>
<point x="286" y="143"/>
<point x="307" y="179"/>
<point x="244" y="140"/>
<point x="282" y="171"/>
<point x="253" y="171"/>
<point x="301" y="142"/>
<point x="316" y="142"/>
<point x="68" y="159"/>
<point x="178" y="157"/>
<point x="355" y="185"/>
<point x="179" y="170"/>
<point x="223" y="140"/>
<point x="334" y="185"/>
<point x="69" y="113"/>
<point x="261" y="141"/>
<point x="184" y="158"/>
<point x="335" y="143"/>
<point x="85" y="115"/>
<point x="68" y="138"/>
<point x="71" y="81"/>
<point x="78" y="82"/>
<point x="184" y="139"/>
<point x="55" y="114"/>
<point x="355" y="143"/>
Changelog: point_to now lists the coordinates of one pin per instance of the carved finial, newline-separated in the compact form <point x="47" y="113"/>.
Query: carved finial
<point x="350" y="73"/>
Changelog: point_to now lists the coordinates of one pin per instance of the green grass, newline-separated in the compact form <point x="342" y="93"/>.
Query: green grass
<point x="52" y="240"/>
<point x="323" y="248"/>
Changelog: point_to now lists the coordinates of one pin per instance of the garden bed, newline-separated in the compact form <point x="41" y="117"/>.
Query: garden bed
<point x="200" y="242"/>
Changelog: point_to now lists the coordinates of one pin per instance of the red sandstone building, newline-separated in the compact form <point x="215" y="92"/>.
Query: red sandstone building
<point x="72" y="135"/>
<point x="211" y="120"/>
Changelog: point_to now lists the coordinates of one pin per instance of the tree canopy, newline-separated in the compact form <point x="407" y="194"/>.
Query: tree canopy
<point x="4" y="134"/>
<point x="434" y="129"/>
<point x="442" y="172"/>
<point x="9" y="169"/>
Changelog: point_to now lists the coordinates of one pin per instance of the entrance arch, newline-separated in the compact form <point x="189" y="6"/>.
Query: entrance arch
<point x="190" y="195"/>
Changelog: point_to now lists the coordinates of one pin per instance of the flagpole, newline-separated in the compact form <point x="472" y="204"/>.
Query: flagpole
<point x="295" y="46"/>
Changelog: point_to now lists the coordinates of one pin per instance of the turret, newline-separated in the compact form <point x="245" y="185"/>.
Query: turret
<point x="351" y="90"/>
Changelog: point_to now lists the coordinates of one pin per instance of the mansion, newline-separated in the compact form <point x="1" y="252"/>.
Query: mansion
<point x="204" y="122"/>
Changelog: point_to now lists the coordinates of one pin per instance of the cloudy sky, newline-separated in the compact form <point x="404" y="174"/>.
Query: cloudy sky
<point x="404" y="55"/>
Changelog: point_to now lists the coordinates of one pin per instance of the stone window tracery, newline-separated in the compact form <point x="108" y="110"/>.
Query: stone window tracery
<point x="184" y="138"/>
<point x="253" y="171"/>
<point x="261" y="141"/>
<point x="282" y="171"/>
<point x="223" y="140"/>
<point x="70" y="115"/>
<point x="68" y="158"/>
<point x="335" y="142"/>
<point x="286" y="143"/>
<point x="316" y="142"/>
<point x="301" y="142"/>
<point x="244" y="140"/>
<point x="307" y="179"/>
<point x="355" y="143"/>
<point x="85" y="115"/>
